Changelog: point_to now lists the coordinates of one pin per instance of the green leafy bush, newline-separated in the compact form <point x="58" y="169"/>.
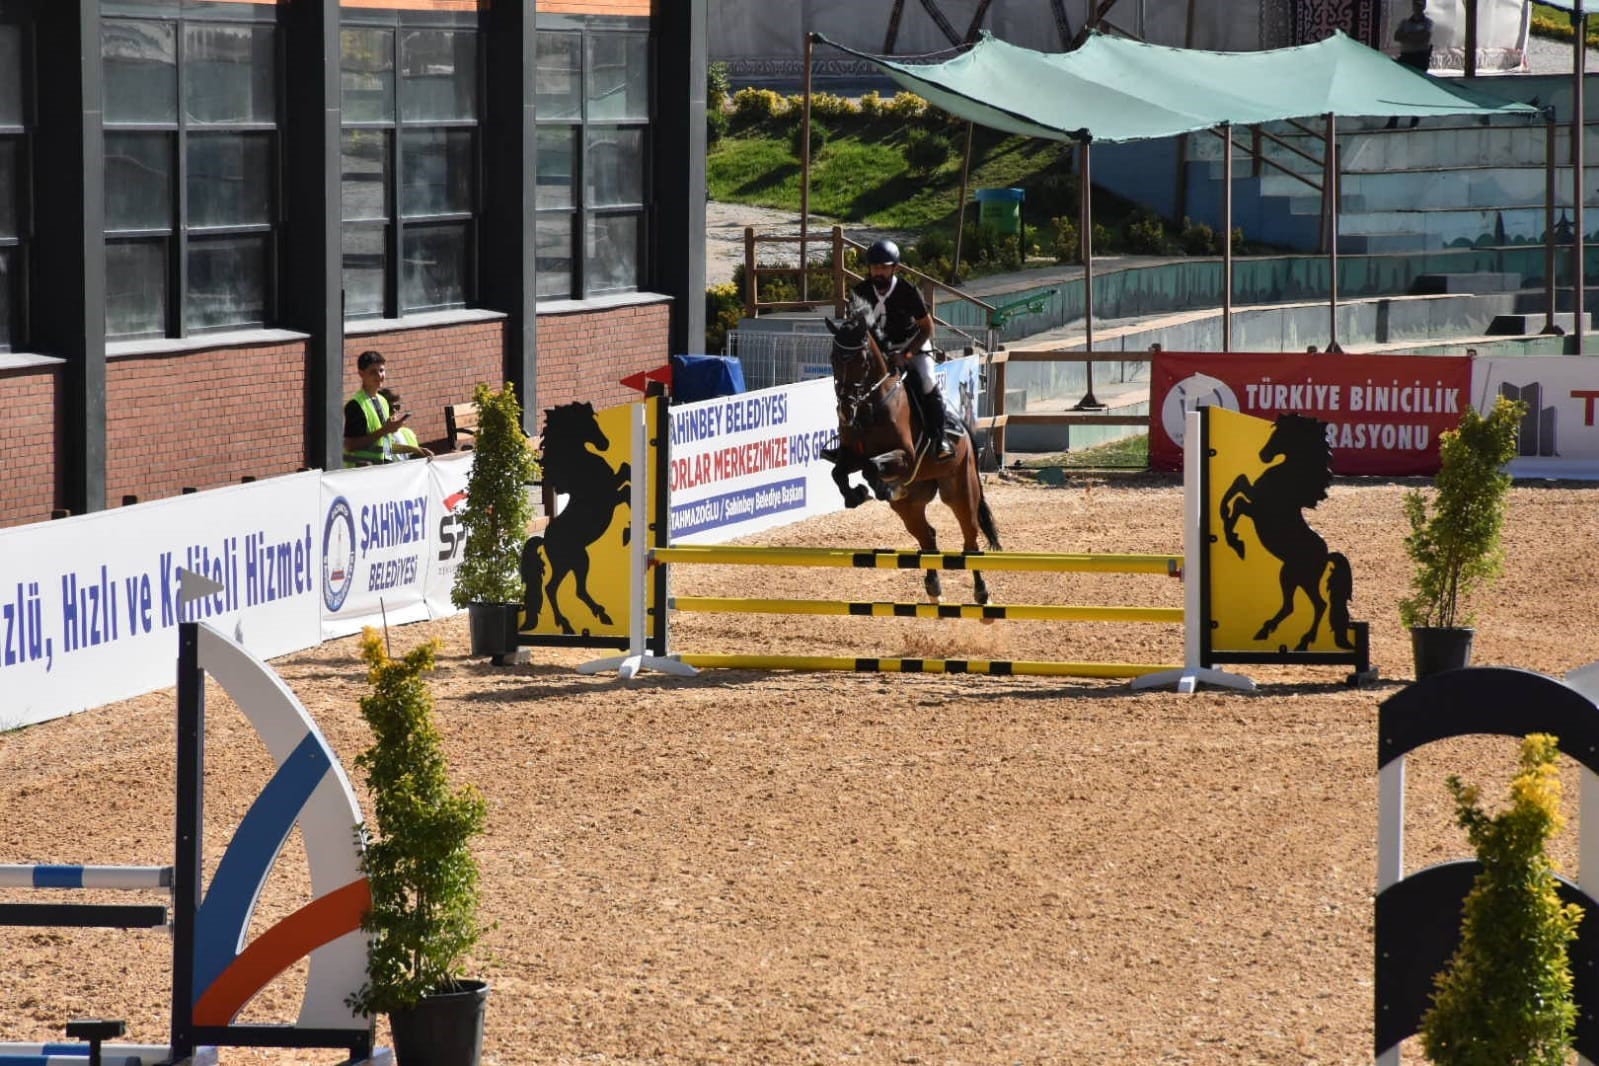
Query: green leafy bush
<point x="925" y="151"/>
<point x="752" y="106"/>
<point x="724" y="307"/>
<point x="717" y="123"/>
<point x="423" y="920"/>
<point x="498" y="508"/>
<point x="906" y="105"/>
<point x="872" y="105"/>
<point x="1197" y="238"/>
<point x="828" y="105"/>
<point x="1146" y="234"/>
<point x="931" y="246"/>
<point x="1068" y="242"/>
<point x="1456" y="544"/>
<point x="1504" y="999"/>
<point x="796" y="137"/>
<point x="718" y="87"/>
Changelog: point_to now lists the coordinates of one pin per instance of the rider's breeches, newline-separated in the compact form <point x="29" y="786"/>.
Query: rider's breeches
<point x="923" y="362"/>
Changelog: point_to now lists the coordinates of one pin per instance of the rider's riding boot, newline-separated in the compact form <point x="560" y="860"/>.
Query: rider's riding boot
<point x="933" y="418"/>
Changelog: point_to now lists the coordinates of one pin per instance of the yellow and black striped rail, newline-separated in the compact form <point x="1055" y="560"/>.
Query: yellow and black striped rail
<point x="996" y="667"/>
<point x="984" y="612"/>
<point x="889" y="559"/>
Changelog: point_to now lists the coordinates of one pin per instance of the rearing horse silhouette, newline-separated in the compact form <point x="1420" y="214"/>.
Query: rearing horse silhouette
<point x="594" y="491"/>
<point x="878" y="439"/>
<point x="1274" y="502"/>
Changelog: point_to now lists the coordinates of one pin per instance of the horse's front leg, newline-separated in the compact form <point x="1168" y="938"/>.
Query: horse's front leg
<point x="854" y="495"/>
<point x="1232" y="507"/>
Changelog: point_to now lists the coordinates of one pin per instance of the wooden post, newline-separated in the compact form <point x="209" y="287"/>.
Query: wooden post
<point x="1471" y="38"/>
<point x="840" y="292"/>
<point x="750" y="290"/>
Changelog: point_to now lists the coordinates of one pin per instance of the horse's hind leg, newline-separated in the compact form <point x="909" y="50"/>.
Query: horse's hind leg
<point x="1286" y="582"/>
<point x="1315" y="622"/>
<point x="963" y="494"/>
<point x="557" y="575"/>
<point x="580" y="573"/>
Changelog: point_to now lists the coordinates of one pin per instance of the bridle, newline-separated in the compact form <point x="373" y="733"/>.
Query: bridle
<point x="854" y="395"/>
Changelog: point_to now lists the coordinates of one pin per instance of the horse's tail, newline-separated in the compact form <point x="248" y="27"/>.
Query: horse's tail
<point x="1340" y="590"/>
<point x="532" y="570"/>
<point x="985" y="521"/>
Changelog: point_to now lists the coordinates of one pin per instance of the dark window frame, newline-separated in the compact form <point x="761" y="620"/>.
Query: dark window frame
<point x="176" y="239"/>
<point x="394" y="126"/>
<point x="581" y="212"/>
<point x="14" y="331"/>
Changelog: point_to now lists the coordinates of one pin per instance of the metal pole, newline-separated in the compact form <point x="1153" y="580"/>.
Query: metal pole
<point x="1331" y="180"/>
<point x="1085" y="220"/>
<point x="1551" y="147"/>
<point x="960" y="212"/>
<point x="1579" y="24"/>
<point x="805" y="175"/>
<point x="1227" y="238"/>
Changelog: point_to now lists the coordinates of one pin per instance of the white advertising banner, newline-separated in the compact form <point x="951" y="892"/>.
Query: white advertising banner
<point x="377" y="524"/>
<point x="744" y="463"/>
<point x="89" y="605"/>
<point x="447" y="490"/>
<point x="1560" y="433"/>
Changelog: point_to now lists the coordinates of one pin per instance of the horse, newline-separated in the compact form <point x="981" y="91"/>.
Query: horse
<point x="594" y="491"/>
<point x="1274" y="502"/>
<point x="877" y="438"/>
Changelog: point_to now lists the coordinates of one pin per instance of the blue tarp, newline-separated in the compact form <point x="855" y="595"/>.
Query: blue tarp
<point x="704" y="377"/>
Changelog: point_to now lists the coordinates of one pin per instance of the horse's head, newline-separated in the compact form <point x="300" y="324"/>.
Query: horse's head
<point x="1299" y="439"/>
<point x="853" y="355"/>
<point x="573" y="425"/>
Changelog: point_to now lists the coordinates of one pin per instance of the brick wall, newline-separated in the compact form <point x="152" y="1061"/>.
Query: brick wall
<point x="432" y="368"/>
<point x="203" y="418"/>
<point x="30" y="433"/>
<point x="585" y="354"/>
<point x="637" y="8"/>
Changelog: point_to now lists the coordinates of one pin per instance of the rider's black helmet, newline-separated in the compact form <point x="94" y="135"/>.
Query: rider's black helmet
<point x="883" y="251"/>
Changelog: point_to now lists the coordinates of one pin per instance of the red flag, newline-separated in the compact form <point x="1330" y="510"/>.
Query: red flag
<point x="638" y="381"/>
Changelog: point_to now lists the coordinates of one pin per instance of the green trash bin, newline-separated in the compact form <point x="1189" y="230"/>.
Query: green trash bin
<point x="1002" y="209"/>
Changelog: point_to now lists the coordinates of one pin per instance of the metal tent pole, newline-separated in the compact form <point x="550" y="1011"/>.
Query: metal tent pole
<point x="1085" y="225"/>
<point x="1551" y="148"/>
<point x="960" y="213"/>
<point x="1227" y="238"/>
<point x="805" y="176"/>
<point x="1331" y="197"/>
<point x="1579" y="25"/>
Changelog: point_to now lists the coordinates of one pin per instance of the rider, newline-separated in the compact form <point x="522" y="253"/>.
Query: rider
<point x="907" y="326"/>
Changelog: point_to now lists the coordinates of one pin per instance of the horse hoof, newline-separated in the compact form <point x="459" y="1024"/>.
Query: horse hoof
<point x="605" y="619"/>
<point x="1265" y="631"/>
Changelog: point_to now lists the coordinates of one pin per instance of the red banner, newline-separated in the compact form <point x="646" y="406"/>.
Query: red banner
<point x="1384" y="412"/>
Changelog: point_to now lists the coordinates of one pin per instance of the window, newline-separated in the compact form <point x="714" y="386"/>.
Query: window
<point x="593" y="106"/>
<point x="409" y="168"/>
<point x="14" y="213"/>
<point x="191" y="161"/>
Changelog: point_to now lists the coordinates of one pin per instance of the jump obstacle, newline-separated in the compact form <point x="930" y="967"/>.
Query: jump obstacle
<point x="214" y="972"/>
<point x="649" y="562"/>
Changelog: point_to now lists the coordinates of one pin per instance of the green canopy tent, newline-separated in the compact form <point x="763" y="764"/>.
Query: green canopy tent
<point x="1117" y="90"/>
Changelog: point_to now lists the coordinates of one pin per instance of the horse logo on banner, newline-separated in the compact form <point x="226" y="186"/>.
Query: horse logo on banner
<point x="582" y="463"/>
<point x="1274" y="581"/>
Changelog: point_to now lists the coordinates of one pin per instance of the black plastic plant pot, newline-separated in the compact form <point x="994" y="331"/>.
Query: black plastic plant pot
<point x="493" y="627"/>
<point x="1440" y="648"/>
<point x="444" y="1029"/>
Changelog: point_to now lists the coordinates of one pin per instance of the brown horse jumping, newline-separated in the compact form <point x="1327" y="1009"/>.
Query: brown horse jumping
<point x="878" y="438"/>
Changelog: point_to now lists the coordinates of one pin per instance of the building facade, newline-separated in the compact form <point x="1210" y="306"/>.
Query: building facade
<point x="208" y="209"/>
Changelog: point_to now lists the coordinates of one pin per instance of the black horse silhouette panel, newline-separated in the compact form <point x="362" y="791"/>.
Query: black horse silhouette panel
<point x="1275" y="585"/>
<point x="576" y="571"/>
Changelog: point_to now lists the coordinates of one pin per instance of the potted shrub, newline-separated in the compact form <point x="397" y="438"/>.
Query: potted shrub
<point x="423" y="920"/>
<point x="1505" y="995"/>
<point x="1455" y="543"/>
<point x="488" y="582"/>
